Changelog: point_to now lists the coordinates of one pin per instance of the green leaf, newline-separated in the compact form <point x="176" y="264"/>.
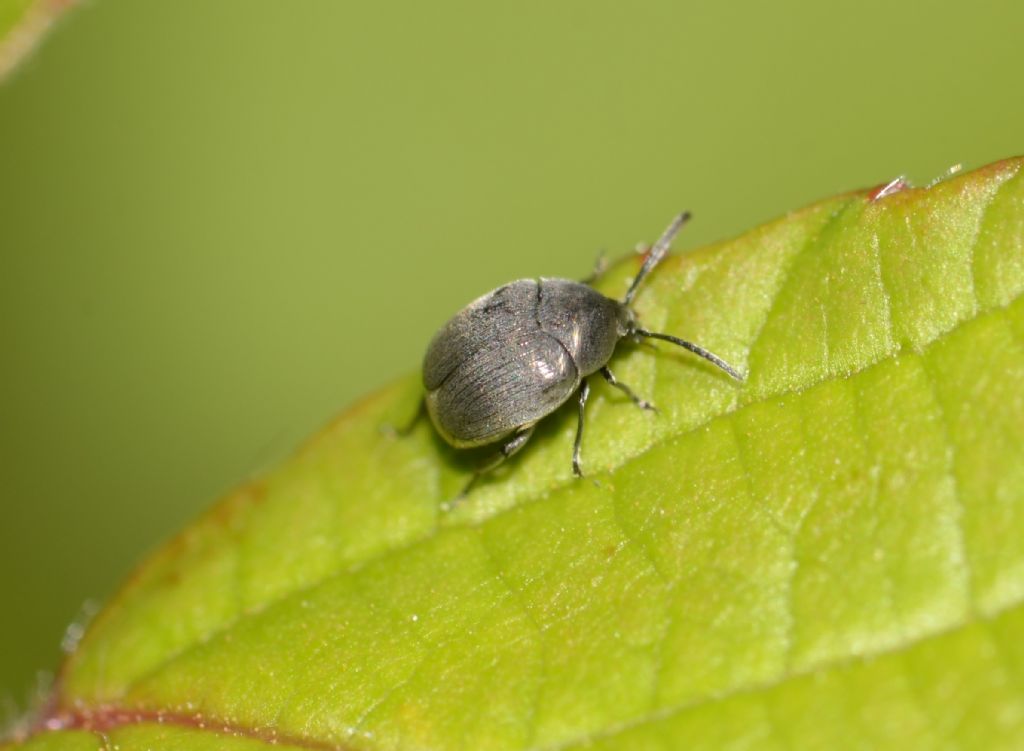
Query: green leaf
<point x="22" y="24"/>
<point x="827" y="556"/>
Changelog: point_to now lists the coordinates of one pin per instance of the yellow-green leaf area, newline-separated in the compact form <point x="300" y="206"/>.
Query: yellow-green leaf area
<point x="829" y="555"/>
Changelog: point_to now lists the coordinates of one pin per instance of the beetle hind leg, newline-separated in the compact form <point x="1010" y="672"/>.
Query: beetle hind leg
<point x="641" y="403"/>
<point x="421" y="411"/>
<point x="405" y="429"/>
<point x="510" y="447"/>
<point x="584" y="393"/>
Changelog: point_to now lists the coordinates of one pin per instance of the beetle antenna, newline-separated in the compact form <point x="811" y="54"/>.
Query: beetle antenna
<point x="657" y="252"/>
<point x="695" y="349"/>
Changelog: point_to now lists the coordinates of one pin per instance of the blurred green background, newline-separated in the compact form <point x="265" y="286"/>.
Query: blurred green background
<point x="221" y="222"/>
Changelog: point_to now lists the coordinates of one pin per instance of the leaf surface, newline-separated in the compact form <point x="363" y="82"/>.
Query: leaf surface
<point x="829" y="555"/>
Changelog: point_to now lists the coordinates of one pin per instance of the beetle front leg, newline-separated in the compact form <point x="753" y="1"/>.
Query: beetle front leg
<point x="514" y="444"/>
<point x="641" y="403"/>
<point x="584" y="393"/>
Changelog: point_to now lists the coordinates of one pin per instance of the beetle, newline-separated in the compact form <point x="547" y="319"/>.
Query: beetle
<point x="516" y="354"/>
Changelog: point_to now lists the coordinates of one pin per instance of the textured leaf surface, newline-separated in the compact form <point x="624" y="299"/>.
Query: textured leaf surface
<point x="22" y="24"/>
<point x="827" y="556"/>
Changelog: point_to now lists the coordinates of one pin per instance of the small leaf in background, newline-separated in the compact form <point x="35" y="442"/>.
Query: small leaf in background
<point x="827" y="556"/>
<point x="23" y="23"/>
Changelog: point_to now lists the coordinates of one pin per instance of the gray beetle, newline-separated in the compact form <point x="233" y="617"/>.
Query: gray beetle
<point x="519" y="352"/>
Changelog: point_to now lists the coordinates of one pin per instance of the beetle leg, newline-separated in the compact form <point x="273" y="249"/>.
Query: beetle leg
<point x="516" y="442"/>
<point x="421" y="410"/>
<point x="584" y="393"/>
<point x="641" y="403"/>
